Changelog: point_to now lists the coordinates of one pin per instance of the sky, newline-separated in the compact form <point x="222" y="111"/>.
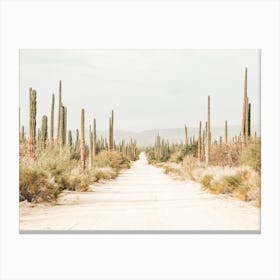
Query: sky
<point x="148" y="89"/>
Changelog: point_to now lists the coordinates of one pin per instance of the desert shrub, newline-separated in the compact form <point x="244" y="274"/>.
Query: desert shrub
<point x="78" y="180"/>
<point x="244" y="184"/>
<point x="36" y="185"/>
<point x="188" y="165"/>
<point x="167" y="169"/>
<point x="59" y="164"/>
<point x="254" y="192"/>
<point x="251" y="155"/>
<point x="226" y="184"/>
<point x="125" y="163"/>
<point x="112" y="159"/>
<point x="150" y="156"/>
<point x="175" y="156"/>
<point x="190" y="150"/>
<point x="51" y="173"/>
<point x="206" y="181"/>
<point x="100" y="173"/>
<point x="225" y="155"/>
<point x="232" y="181"/>
<point x="172" y="168"/>
<point x="76" y="155"/>
<point x="162" y="156"/>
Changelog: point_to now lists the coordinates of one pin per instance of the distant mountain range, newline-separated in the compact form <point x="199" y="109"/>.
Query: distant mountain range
<point x="173" y="135"/>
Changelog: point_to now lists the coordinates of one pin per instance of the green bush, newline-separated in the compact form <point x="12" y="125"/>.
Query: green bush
<point x="59" y="164"/>
<point x="206" y="181"/>
<point x="43" y="178"/>
<point x="77" y="180"/>
<point x="51" y="173"/>
<point x="232" y="181"/>
<point x="112" y="159"/>
<point x="190" y="150"/>
<point x="100" y="173"/>
<point x="244" y="184"/>
<point x="225" y="155"/>
<point x="251" y="155"/>
<point x="188" y="166"/>
<point x="36" y="185"/>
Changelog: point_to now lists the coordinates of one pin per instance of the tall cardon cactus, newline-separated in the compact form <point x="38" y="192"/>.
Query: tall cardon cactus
<point x="32" y="122"/>
<point x="82" y="140"/>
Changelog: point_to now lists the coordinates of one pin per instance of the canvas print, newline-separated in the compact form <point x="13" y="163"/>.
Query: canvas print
<point x="139" y="141"/>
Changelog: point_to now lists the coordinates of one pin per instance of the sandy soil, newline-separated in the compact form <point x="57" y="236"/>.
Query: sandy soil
<point x="142" y="198"/>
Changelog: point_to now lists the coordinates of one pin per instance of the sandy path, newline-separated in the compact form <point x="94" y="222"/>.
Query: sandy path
<point x="142" y="198"/>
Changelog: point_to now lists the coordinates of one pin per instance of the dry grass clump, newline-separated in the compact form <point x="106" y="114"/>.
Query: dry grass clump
<point x="172" y="168"/>
<point x="111" y="159"/>
<point x="43" y="178"/>
<point x="225" y="155"/>
<point x="251" y="156"/>
<point x="206" y="181"/>
<point x="225" y="174"/>
<point x="231" y="170"/>
<point x="175" y="156"/>
<point x="52" y="171"/>
<point x="244" y="184"/>
<point x="188" y="165"/>
<point x="37" y="185"/>
<point x="233" y="155"/>
<point x="186" y="169"/>
<point x="77" y="180"/>
<point x="103" y="173"/>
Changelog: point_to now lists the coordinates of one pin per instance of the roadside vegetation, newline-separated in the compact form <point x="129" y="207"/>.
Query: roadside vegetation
<point x="231" y="169"/>
<point x="50" y="164"/>
<point x="221" y="166"/>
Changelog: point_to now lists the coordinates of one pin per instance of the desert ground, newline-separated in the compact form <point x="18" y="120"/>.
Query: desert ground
<point x="141" y="198"/>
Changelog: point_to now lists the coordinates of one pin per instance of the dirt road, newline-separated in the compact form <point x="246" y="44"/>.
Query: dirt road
<point x="142" y="198"/>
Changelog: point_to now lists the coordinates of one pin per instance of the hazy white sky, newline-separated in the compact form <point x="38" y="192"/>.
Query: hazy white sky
<point x="146" y="88"/>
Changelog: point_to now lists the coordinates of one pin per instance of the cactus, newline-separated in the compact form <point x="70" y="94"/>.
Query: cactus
<point x="60" y="139"/>
<point x="199" y="142"/>
<point x="186" y="136"/>
<point x="207" y="145"/>
<point x="111" y="131"/>
<point x="22" y="136"/>
<point x="82" y="140"/>
<point x="44" y="131"/>
<point x="249" y="120"/>
<point x="90" y="148"/>
<point x="52" y="120"/>
<point x="246" y="120"/>
<point x="106" y="145"/>
<point x="32" y="122"/>
<point x="226" y="132"/>
<point x="203" y="145"/>
<point x="77" y="142"/>
<point x="38" y="135"/>
<point x="100" y="145"/>
<point x="70" y="141"/>
<point x="94" y="139"/>
<point x="243" y="127"/>
<point x="64" y="125"/>
<point x="59" y="115"/>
